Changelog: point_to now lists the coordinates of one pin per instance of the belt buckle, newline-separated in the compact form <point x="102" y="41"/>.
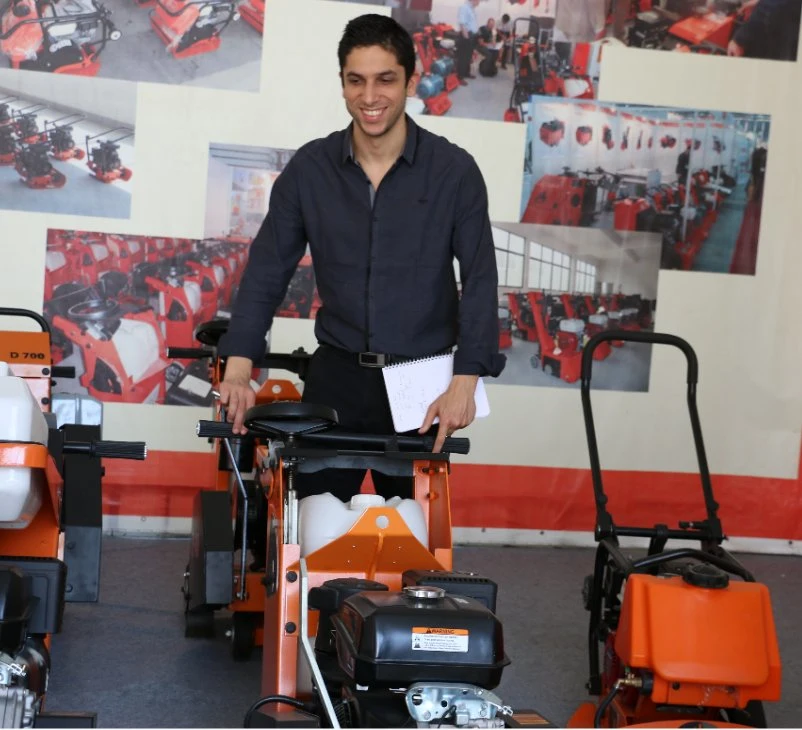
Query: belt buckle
<point x="372" y="359"/>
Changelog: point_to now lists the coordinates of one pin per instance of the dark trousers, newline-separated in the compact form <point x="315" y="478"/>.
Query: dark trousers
<point x="464" y="55"/>
<point x="335" y="379"/>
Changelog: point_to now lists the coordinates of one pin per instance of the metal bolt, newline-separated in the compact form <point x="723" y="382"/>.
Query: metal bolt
<point x="292" y="576"/>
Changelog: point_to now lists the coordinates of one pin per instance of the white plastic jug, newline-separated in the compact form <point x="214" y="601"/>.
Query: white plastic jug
<point x="322" y="518"/>
<point x="21" y="420"/>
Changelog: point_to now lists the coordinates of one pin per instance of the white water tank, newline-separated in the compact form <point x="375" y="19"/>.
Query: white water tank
<point x="322" y="518"/>
<point x="21" y="420"/>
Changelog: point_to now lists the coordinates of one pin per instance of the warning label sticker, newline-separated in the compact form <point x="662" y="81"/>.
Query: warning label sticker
<point x="439" y="639"/>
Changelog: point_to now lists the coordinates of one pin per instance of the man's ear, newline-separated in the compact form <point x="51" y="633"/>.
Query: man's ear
<point x="412" y="84"/>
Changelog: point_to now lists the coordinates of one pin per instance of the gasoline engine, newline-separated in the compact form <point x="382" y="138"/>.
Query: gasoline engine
<point x="24" y="658"/>
<point x="430" y="653"/>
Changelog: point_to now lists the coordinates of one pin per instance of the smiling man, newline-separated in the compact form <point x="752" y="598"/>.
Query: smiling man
<point x="386" y="207"/>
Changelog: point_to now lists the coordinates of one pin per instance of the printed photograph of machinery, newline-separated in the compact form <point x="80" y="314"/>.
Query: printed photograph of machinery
<point x="199" y="42"/>
<point x="558" y="288"/>
<point x="766" y="29"/>
<point x="124" y="311"/>
<point x="59" y="158"/>
<point x="237" y="196"/>
<point x="694" y="177"/>
<point x="492" y="75"/>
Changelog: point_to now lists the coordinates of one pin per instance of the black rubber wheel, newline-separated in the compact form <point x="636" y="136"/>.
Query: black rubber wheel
<point x="243" y="639"/>
<point x="199" y="624"/>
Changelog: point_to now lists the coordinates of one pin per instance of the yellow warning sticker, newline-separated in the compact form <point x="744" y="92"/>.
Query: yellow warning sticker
<point x="435" y="638"/>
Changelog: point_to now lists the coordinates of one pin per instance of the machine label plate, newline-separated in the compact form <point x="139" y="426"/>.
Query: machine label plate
<point x="439" y="639"/>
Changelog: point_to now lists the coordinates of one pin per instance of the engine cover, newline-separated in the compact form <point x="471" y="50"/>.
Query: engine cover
<point x="421" y="634"/>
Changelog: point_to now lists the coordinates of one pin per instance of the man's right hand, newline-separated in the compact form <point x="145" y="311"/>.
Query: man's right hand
<point x="236" y="392"/>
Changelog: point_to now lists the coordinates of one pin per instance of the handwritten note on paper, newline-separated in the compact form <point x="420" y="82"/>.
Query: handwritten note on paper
<point x="413" y="386"/>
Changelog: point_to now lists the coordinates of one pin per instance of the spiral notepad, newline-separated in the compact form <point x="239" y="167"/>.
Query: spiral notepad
<point x="413" y="386"/>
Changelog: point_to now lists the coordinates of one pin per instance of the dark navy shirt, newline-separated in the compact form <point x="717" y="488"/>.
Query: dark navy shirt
<point x="383" y="259"/>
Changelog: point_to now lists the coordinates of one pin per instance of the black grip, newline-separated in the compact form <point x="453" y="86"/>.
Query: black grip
<point x="62" y="371"/>
<point x="108" y="449"/>
<point x="215" y="430"/>
<point x="652" y="338"/>
<point x="189" y="353"/>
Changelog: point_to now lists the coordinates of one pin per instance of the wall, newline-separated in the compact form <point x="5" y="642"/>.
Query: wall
<point x="110" y="101"/>
<point x="743" y="328"/>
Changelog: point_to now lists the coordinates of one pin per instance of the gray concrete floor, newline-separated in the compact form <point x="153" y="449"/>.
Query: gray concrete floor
<point x="625" y="369"/>
<point x="126" y="658"/>
<point x="140" y="55"/>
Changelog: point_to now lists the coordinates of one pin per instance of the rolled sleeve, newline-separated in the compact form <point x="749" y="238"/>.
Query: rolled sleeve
<point x="272" y="260"/>
<point x="477" y="341"/>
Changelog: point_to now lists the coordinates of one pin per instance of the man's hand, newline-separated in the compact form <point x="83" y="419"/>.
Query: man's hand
<point x="236" y="392"/>
<point x="456" y="409"/>
<point x="733" y="49"/>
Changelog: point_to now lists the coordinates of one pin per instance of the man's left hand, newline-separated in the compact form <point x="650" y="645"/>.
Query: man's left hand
<point x="456" y="409"/>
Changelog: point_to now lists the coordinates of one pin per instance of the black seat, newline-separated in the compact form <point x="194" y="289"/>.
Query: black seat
<point x="209" y="333"/>
<point x="284" y="418"/>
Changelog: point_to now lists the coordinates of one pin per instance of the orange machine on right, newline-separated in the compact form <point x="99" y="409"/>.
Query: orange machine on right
<point x="681" y="637"/>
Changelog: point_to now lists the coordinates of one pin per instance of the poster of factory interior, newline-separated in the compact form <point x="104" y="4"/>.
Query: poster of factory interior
<point x="558" y="287"/>
<point x="482" y="59"/>
<point x="694" y="177"/>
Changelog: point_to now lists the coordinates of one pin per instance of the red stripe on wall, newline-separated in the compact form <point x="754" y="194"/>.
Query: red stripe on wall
<point x="512" y="497"/>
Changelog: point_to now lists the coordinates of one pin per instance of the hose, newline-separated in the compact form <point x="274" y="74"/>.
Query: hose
<point x="605" y="703"/>
<point x="296" y="703"/>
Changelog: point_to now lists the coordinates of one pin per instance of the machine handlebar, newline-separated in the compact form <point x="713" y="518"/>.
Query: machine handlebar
<point x="108" y="449"/>
<point x="654" y="338"/>
<point x="189" y="353"/>
<point x="15" y="312"/>
<point x="344" y="439"/>
<point x="62" y="371"/>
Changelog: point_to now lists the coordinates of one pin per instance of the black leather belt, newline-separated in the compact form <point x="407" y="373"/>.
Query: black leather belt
<point x="381" y="359"/>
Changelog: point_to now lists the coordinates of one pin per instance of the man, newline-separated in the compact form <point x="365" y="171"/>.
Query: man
<point x="771" y="32"/>
<point x="505" y="28"/>
<point x="385" y="206"/>
<point x="466" y="42"/>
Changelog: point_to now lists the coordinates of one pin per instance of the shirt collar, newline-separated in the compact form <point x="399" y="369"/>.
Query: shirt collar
<point x="410" y="145"/>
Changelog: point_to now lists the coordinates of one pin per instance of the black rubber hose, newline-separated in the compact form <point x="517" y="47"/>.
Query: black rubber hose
<point x="283" y="699"/>
<point x="605" y="703"/>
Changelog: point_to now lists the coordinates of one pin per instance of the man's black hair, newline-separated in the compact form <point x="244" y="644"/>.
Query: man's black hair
<point x="378" y="30"/>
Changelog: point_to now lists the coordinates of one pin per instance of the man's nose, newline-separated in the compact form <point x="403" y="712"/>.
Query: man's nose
<point x="371" y="92"/>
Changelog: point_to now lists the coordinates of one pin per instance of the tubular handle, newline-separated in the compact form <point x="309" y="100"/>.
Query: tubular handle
<point x="342" y="439"/>
<point x="654" y="338"/>
<point x="189" y="353"/>
<point x="38" y="318"/>
<point x="62" y="371"/>
<point x="108" y="449"/>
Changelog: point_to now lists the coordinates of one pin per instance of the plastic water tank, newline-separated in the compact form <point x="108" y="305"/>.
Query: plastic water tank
<point x="322" y="518"/>
<point x="21" y="420"/>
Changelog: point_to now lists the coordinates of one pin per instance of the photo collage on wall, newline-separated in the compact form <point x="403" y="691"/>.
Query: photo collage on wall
<point x="611" y="193"/>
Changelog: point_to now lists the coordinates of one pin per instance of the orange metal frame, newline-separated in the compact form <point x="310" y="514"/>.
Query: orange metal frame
<point x="270" y="391"/>
<point x="372" y="549"/>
